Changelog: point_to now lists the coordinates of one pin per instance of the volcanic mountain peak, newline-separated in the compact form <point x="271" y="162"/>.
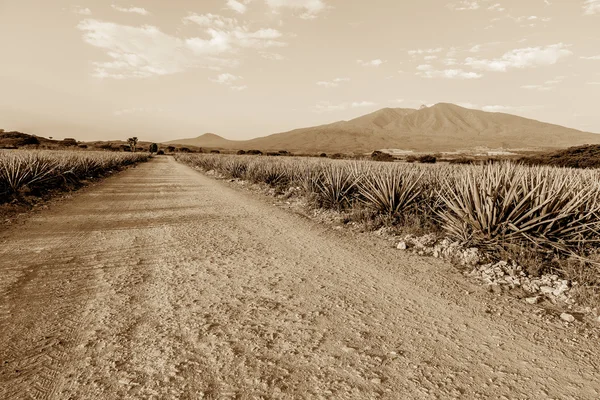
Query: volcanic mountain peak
<point x="441" y="127"/>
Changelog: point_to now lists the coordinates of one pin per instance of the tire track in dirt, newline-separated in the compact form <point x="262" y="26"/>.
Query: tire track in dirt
<point x="174" y="286"/>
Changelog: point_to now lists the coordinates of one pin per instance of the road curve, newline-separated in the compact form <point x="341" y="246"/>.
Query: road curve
<point x="161" y="283"/>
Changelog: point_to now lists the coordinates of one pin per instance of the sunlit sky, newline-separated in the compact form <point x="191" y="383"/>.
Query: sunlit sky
<point x="164" y="70"/>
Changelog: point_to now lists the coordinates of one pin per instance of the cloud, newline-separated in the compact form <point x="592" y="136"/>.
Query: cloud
<point x="464" y="5"/>
<point x="591" y="7"/>
<point x="333" y="83"/>
<point x="373" y="63"/>
<point x="81" y="10"/>
<point x="522" y="58"/>
<point x="142" y="52"/>
<point x="229" y="80"/>
<point x="541" y="88"/>
<point x="135" y="52"/>
<point x="592" y="83"/>
<point x="496" y="7"/>
<point x="427" y="71"/>
<point x="228" y="33"/>
<point x="271" y="56"/>
<point x="134" y="10"/>
<point x="325" y="106"/>
<point x="591" y="58"/>
<point x="424" y="51"/>
<point x="239" y="7"/>
<point x="358" y="104"/>
<point x="309" y="8"/>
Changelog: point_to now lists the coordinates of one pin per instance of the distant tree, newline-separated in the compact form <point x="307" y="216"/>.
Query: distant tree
<point x="336" y="156"/>
<point x="132" y="143"/>
<point x="83" y="146"/>
<point x="215" y="152"/>
<point x="381" y="156"/>
<point x="254" y="152"/>
<point x="240" y="152"/>
<point x="69" y="142"/>
<point x="171" y="149"/>
<point x="323" y="155"/>
<point x="153" y="148"/>
<point x="427" y="159"/>
<point x="161" y="153"/>
<point x="185" y="150"/>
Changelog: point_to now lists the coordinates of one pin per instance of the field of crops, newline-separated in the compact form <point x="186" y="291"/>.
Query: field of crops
<point x="494" y="207"/>
<point x="36" y="171"/>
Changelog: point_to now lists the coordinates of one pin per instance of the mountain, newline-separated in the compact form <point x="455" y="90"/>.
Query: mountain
<point x="442" y="127"/>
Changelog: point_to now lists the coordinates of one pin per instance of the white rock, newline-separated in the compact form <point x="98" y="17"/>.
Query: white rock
<point x="533" y="300"/>
<point x="567" y="317"/>
<point x="401" y="246"/>
<point x="546" y="289"/>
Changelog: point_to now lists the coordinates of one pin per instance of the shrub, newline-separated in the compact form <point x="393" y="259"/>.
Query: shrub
<point x="427" y="159"/>
<point x="381" y="156"/>
<point x="240" y="152"/>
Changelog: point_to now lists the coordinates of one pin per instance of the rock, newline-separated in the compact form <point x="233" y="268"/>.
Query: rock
<point x="376" y="381"/>
<point x="533" y="300"/>
<point x="546" y="290"/>
<point x="567" y="317"/>
<point x="401" y="246"/>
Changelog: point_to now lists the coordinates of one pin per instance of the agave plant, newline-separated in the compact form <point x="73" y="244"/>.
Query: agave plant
<point x="508" y="204"/>
<point x="391" y="191"/>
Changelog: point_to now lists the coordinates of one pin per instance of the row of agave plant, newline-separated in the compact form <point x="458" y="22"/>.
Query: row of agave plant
<point x="494" y="207"/>
<point x="39" y="170"/>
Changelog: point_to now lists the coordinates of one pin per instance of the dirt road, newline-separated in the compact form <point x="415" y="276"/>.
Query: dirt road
<point x="161" y="283"/>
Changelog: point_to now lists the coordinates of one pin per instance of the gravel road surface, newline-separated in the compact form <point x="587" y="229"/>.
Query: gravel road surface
<point x="162" y="283"/>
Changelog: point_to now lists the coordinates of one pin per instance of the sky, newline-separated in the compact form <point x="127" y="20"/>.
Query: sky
<point x="163" y="70"/>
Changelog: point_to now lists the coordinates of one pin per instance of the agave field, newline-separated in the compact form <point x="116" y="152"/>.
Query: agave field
<point x="35" y="171"/>
<point x="497" y="207"/>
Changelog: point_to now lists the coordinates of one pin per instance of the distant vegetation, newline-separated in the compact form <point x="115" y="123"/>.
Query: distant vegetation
<point x="35" y="172"/>
<point x="573" y="157"/>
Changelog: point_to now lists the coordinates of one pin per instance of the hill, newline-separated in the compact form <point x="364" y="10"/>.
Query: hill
<point x="442" y="127"/>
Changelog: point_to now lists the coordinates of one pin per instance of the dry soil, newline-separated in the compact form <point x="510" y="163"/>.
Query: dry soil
<point x="161" y="283"/>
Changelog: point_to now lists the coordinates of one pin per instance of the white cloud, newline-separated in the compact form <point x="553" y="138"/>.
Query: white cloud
<point x="541" y="88"/>
<point x="591" y="7"/>
<point x="373" y="63"/>
<point x="502" y="109"/>
<point x="427" y="71"/>
<point x="325" y="106"/>
<point x="398" y="101"/>
<point x="271" y="56"/>
<point x="496" y="7"/>
<point x="228" y="33"/>
<point x="333" y="83"/>
<point x="81" y="10"/>
<point x="142" y="52"/>
<point x="134" y="10"/>
<point x="591" y="58"/>
<point x="465" y="5"/>
<point x="424" y="51"/>
<point x="229" y="80"/>
<point x="309" y="8"/>
<point x="358" y="104"/>
<point x="226" y="79"/>
<point x="239" y="7"/>
<point x="522" y="58"/>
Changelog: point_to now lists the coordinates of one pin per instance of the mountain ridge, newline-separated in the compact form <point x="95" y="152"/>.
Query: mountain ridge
<point x="441" y="127"/>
